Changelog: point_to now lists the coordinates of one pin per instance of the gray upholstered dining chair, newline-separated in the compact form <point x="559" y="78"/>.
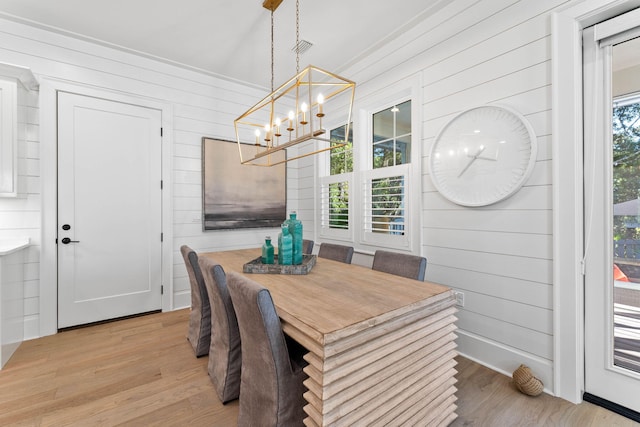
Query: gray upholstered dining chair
<point x="271" y="389"/>
<point x="199" y="331"/>
<point x="405" y="265"/>
<point x="336" y="252"/>
<point x="307" y="246"/>
<point x="225" y="355"/>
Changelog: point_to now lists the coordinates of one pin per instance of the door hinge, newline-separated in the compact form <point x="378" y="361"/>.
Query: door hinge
<point x="161" y="184"/>
<point x="161" y="131"/>
<point x="161" y="289"/>
<point x="162" y="237"/>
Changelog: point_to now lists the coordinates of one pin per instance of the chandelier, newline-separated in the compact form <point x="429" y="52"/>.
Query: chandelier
<point x="294" y="114"/>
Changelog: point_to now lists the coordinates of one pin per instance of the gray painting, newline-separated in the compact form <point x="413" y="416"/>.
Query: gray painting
<point x="240" y="196"/>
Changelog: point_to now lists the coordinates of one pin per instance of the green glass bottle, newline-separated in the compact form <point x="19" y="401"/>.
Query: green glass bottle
<point x="295" y="229"/>
<point x="285" y="251"/>
<point x="267" y="251"/>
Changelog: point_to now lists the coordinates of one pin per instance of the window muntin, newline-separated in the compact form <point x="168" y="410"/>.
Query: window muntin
<point x="391" y="136"/>
<point x="334" y="188"/>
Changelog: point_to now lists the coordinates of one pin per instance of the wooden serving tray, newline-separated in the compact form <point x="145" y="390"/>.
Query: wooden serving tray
<point x="256" y="266"/>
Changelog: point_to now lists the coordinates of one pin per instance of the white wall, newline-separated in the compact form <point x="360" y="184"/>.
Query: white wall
<point x="202" y="105"/>
<point x="499" y="256"/>
<point x="469" y="54"/>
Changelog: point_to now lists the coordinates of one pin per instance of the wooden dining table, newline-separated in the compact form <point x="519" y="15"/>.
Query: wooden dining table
<point x="381" y="347"/>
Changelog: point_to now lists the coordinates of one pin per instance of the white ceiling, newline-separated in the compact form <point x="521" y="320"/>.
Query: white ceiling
<point x="230" y="38"/>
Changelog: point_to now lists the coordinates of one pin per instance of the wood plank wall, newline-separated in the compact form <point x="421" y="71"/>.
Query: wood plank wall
<point x="203" y="105"/>
<point x="472" y="53"/>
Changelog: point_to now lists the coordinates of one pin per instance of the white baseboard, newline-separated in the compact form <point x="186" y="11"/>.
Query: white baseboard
<point x="503" y="359"/>
<point x="181" y="300"/>
<point x="32" y="327"/>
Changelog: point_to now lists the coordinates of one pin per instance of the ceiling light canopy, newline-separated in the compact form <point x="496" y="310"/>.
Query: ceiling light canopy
<point x="295" y="114"/>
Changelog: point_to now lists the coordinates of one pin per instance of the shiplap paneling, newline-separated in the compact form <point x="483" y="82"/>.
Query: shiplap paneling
<point x="530" y="101"/>
<point x="528" y="198"/>
<point x="509" y="288"/>
<point x="512" y="221"/>
<point x="202" y="105"/>
<point x="504" y="267"/>
<point x="533" y="269"/>
<point x="492" y="90"/>
<point x="518" y="313"/>
<point x="522" y="244"/>
<point x="506" y="333"/>
<point x="471" y="53"/>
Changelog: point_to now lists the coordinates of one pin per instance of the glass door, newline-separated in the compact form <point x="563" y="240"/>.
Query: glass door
<point x="626" y="220"/>
<point x="612" y="215"/>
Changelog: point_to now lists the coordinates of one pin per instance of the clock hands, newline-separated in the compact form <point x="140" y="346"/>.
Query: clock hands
<point x="486" y="158"/>
<point x="474" y="157"/>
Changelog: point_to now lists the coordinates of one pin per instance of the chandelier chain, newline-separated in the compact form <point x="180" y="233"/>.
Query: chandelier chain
<point x="272" y="55"/>
<point x="297" y="37"/>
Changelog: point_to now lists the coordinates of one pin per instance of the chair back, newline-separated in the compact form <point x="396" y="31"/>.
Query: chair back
<point x="225" y="356"/>
<point x="336" y="252"/>
<point x="271" y="390"/>
<point x="404" y="265"/>
<point x="199" y="331"/>
<point x="307" y="246"/>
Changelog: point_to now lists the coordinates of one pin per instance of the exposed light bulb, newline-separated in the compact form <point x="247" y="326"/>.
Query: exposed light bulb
<point x="277" y="130"/>
<point x="267" y="128"/>
<point x="291" y="117"/>
<point x="320" y="102"/>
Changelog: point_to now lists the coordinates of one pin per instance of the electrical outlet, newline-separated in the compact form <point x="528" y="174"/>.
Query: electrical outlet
<point x="459" y="298"/>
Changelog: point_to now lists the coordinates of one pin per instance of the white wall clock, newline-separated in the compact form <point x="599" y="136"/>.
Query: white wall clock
<point x="483" y="155"/>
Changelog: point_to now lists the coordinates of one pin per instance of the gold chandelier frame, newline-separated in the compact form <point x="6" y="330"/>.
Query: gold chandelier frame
<point x="308" y="97"/>
<point x="283" y="131"/>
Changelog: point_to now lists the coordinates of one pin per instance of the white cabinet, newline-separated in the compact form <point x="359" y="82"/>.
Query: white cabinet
<point x="12" y="259"/>
<point x="15" y="81"/>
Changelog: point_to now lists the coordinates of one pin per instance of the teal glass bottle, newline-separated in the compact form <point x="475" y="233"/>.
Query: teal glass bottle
<point x="295" y="229"/>
<point x="267" y="251"/>
<point x="285" y="251"/>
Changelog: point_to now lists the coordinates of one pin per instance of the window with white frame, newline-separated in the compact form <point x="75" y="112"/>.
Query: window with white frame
<point x="335" y="187"/>
<point x="369" y="190"/>
<point x="385" y="181"/>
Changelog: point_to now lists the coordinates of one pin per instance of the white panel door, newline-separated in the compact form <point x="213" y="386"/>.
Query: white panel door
<point x="109" y="209"/>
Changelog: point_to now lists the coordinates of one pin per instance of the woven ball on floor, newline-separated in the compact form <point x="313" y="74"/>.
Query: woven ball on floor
<point x="525" y="381"/>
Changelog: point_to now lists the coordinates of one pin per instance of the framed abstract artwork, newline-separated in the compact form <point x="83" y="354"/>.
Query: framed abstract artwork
<point x="238" y="196"/>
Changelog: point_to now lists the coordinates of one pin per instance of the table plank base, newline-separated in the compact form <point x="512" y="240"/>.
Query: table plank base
<point x="402" y="373"/>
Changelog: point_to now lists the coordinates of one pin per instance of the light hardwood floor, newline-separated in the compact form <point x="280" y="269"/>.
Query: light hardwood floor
<point x="142" y="372"/>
